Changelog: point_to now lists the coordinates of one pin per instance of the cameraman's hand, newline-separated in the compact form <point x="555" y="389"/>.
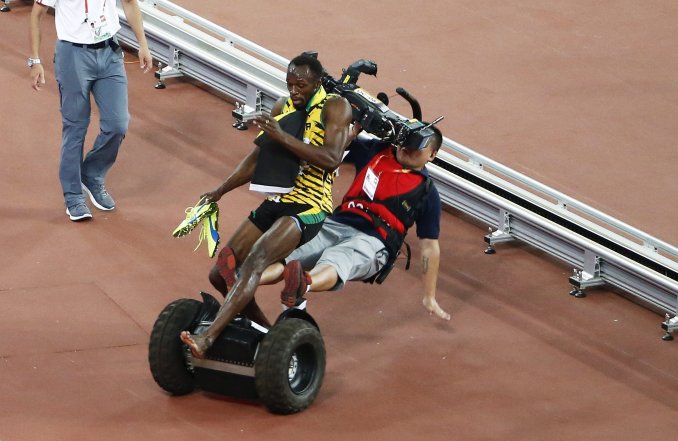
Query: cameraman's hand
<point x="432" y="307"/>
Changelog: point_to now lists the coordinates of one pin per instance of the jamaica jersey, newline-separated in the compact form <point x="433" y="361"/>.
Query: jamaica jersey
<point x="313" y="185"/>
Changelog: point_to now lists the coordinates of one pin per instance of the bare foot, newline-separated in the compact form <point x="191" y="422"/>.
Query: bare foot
<point x="196" y="343"/>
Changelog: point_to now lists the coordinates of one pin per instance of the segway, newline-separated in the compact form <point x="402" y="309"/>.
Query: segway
<point x="282" y="367"/>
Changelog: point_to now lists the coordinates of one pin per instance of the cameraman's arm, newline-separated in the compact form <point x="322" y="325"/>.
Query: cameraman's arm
<point x="428" y="231"/>
<point x="430" y="263"/>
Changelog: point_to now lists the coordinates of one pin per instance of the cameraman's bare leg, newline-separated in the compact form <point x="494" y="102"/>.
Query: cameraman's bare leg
<point x="272" y="246"/>
<point x="323" y="278"/>
<point x="272" y="274"/>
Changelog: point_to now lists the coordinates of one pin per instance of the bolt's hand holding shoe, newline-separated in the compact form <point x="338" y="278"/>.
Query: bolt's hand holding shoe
<point x="207" y="214"/>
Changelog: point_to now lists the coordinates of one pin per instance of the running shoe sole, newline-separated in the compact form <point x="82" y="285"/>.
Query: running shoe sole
<point x="78" y="218"/>
<point x="195" y="215"/>
<point x="226" y="264"/>
<point x="295" y="284"/>
<point x="212" y="233"/>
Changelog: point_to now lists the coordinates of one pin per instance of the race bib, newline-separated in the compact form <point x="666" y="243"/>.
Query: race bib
<point x="370" y="183"/>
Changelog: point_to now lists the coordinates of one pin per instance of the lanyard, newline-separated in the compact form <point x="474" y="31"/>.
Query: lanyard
<point x="103" y="7"/>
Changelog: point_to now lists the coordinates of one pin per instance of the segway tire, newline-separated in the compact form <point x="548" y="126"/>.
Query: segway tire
<point x="166" y="351"/>
<point x="290" y="366"/>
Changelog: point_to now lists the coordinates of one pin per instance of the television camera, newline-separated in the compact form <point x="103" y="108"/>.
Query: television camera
<point x="372" y="113"/>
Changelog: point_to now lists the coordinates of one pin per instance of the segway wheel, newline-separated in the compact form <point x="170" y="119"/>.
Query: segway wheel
<point x="290" y="366"/>
<point x="166" y="352"/>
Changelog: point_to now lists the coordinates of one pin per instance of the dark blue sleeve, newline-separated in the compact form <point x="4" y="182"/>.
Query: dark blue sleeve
<point x="428" y="220"/>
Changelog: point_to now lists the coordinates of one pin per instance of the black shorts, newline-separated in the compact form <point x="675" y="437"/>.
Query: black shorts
<point x="309" y="219"/>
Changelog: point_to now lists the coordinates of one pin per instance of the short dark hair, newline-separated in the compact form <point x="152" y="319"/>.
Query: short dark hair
<point x="437" y="138"/>
<point x="309" y="60"/>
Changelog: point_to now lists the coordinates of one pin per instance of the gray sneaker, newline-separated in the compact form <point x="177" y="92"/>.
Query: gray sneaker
<point x="78" y="212"/>
<point x="99" y="196"/>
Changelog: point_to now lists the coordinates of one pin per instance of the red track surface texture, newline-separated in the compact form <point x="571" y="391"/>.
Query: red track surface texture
<point x="580" y="95"/>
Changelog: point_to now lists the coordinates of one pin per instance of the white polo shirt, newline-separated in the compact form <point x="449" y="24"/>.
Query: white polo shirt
<point x="70" y="15"/>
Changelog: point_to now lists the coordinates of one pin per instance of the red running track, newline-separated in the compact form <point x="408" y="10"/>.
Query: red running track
<point x="580" y="96"/>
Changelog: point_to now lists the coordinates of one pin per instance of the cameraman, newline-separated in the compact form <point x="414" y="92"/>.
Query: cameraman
<point x="360" y="241"/>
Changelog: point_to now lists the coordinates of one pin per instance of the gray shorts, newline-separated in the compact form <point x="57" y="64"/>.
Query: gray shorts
<point x="355" y="255"/>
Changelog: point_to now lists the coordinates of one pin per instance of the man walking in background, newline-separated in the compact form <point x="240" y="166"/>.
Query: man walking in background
<point x="88" y="61"/>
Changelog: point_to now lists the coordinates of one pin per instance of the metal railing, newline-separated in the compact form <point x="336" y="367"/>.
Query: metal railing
<point x="602" y="249"/>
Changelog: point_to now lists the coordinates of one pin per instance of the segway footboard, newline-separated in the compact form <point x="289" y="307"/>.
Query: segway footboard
<point x="228" y="366"/>
<point x="282" y="367"/>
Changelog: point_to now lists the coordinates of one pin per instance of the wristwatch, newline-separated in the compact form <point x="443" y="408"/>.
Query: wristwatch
<point x="33" y="61"/>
